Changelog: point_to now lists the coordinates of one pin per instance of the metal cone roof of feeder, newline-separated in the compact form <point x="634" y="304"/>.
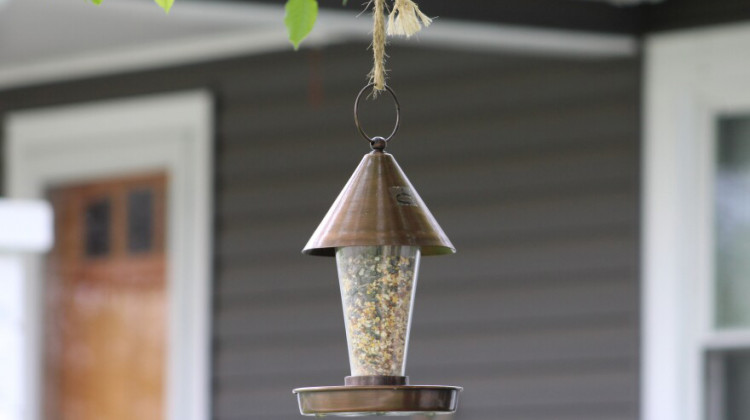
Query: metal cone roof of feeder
<point x="378" y="206"/>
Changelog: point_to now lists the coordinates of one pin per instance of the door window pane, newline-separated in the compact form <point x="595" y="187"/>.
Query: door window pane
<point x="97" y="226"/>
<point x="729" y="385"/>
<point x="732" y="213"/>
<point x="140" y="220"/>
<point x="738" y="386"/>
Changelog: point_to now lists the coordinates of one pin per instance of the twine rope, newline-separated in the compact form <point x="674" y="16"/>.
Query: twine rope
<point x="404" y="19"/>
<point x="377" y="75"/>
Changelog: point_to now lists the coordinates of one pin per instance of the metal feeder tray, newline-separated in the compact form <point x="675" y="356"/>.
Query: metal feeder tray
<point x="389" y="400"/>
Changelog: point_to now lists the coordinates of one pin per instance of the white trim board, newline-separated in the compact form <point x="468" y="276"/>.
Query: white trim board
<point x="74" y="143"/>
<point x="12" y="380"/>
<point x="692" y="77"/>
<point x="332" y="27"/>
<point x="25" y="226"/>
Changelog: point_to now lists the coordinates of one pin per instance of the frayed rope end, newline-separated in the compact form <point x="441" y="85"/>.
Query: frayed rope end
<point x="406" y="19"/>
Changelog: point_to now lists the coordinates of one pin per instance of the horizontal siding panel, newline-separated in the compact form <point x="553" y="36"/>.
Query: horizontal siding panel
<point x="339" y="69"/>
<point x="519" y="258"/>
<point x="306" y="276"/>
<point x="579" y="388"/>
<point x="551" y="348"/>
<point x="476" y="135"/>
<point x="480" y="180"/>
<point x="336" y="76"/>
<point x="599" y="411"/>
<point x="520" y="91"/>
<point x="498" y="223"/>
<point x="566" y="299"/>
<point x="335" y="122"/>
<point x="307" y="163"/>
<point x="532" y="264"/>
<point x="603" y="411"/>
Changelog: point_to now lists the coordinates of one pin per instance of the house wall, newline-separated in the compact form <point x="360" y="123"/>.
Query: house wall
<point x="686" y="14"/>
<point x="596" y="16"/>
<point x="530" y="164"/>
<point x="634" y="17"/>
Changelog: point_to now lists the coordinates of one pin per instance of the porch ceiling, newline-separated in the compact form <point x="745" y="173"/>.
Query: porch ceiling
<point x="36" y="34"/>
<point x="48" y="41"/>
<point x="33" y="31"/>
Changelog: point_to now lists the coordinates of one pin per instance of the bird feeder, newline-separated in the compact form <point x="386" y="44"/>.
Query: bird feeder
<point x="378" y="229"/>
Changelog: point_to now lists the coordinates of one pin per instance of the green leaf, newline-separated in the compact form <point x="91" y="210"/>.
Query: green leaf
<point x="300" y="19"/>
<point x="96" y="2"/>
<point x="164" y="4"/>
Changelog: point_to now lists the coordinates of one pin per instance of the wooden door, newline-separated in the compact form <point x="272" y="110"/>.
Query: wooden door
<point x="106" y="302"/>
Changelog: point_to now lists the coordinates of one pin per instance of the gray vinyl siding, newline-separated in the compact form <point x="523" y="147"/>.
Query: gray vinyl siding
<point x="594" y="16"/>
<point x="531" y="166"/>
<point x="689" y="14"/>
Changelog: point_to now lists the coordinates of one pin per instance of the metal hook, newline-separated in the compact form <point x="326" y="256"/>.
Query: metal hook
<point x="376" y="140"/>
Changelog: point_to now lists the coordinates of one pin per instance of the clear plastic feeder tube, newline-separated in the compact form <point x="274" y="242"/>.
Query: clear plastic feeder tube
<point x="377" y="292"/>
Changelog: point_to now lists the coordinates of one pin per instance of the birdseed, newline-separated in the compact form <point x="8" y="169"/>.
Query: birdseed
<point x="377" y="292"/>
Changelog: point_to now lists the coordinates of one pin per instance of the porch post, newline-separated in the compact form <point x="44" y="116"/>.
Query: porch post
<point x="25" y="227"/>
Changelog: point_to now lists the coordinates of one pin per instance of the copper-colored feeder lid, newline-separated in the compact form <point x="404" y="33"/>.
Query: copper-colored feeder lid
<point x="378" y="206"/>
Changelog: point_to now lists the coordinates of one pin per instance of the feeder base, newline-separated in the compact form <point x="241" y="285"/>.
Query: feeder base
<point x="390" y="400"/>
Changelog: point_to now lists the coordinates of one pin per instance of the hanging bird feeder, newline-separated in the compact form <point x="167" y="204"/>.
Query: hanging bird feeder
<point x="378" y="228"/>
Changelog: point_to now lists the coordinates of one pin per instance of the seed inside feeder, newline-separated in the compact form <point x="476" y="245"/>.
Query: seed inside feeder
<point x="377" y="292"/>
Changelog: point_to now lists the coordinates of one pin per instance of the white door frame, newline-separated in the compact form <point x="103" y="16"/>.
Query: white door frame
<point x="25" y="227"/>
<point x="81" y="142"/>
<point x="692" y="77"/>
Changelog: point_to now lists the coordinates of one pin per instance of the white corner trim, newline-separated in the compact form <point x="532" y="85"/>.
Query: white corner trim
<point x="74" y="143"/>
<point x="12" y="380"/>
<point x="692" y="77"/>
<point x="25" y="226"/>
<point x="263" y="36"/>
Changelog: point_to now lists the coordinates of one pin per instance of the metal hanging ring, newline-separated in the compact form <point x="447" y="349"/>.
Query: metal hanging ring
<point x="373" y="140"/>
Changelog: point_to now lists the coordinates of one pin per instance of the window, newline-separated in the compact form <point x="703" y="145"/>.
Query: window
<point x="696" y="226"/>
<point x="727" y="348"/>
